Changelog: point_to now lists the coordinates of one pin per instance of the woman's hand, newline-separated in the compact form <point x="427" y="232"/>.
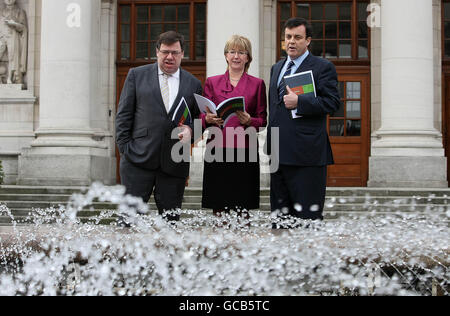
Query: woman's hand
<point x="244" y="118"/>
<point x="212" y="119"/>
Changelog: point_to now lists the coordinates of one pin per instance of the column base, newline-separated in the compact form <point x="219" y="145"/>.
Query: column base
<point x="65" y="167"/>
<point x="408" y="172"/>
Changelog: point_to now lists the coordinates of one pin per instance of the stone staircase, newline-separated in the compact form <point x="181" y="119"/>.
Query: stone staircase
<point x="23" y="200"/>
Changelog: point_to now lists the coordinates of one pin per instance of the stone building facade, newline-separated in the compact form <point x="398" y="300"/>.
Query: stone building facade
<point x="57" y="128"/>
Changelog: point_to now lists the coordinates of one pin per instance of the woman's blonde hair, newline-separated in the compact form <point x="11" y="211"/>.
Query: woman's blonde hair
<point x="240" y="43"/>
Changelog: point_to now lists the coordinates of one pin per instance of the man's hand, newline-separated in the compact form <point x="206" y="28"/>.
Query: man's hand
<point x="185" y="134"/>
<point x="290" y="99"/>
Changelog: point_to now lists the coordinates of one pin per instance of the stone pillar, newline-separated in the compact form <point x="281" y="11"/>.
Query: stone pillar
<point x="67" y="151"/>
<point x="226" y="18"/>
<point x="408" y="150"/>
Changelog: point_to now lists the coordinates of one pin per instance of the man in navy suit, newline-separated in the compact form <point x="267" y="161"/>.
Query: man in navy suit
<point x="298" y="187"/>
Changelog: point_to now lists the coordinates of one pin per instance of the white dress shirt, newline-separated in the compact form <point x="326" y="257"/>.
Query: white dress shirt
<point x="174" y="85"/>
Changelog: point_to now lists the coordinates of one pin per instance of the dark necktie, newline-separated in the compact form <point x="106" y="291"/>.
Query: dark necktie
<point x="282" y="86"/>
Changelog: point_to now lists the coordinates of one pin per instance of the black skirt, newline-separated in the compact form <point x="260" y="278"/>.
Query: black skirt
<point x="231" y="185"/>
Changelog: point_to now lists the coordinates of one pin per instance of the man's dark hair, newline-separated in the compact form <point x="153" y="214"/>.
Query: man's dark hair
<point x="296" y="22"/>
<point x="169" y="38"/>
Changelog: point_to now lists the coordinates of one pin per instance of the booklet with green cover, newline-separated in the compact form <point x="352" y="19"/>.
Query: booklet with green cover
<point x="182" y="115"/>
<point x="301" y="83"/>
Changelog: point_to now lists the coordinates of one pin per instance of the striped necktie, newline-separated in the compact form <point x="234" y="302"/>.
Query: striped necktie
<point x="165" y="92"/>
<point x="282" y="86"/>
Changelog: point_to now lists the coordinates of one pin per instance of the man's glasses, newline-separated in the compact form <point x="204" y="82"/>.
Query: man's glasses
<point x="175" y="53"/>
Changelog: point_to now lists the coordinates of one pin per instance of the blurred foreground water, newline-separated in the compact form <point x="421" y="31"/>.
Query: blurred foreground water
<point x="400" y="254"/>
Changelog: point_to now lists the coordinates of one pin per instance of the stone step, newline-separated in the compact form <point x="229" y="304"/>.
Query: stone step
<point x="332" y="210"/>
<point x="23" y="220"/>
<point x="58" y="199"/>
<point x="348" y="207"/>
<point x="197" y="191"/>
<point x="54" y="198"/>
<point x="43" y="205"/>
<point x="16" y="189"/>
<point x="88" y="217"/>
<point x="340" y="201"/>
<point x="194" y="202"/>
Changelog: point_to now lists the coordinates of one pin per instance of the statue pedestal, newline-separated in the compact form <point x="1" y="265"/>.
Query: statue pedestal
<point x="9" y="92"/>
<point x="13" y="86"/>
<point x="16" y="126"/>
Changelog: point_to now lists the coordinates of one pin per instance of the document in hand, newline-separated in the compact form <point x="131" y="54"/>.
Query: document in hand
<point x="301" y="83"/>
<point x="225" y="110"/>
<point x="182" y="115"/>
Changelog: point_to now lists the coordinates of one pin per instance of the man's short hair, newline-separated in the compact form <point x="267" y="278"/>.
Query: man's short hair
<point x="296" y="22"/>
<point x="169" y="38"/>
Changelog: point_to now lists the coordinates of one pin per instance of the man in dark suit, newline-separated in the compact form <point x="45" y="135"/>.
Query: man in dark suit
<point x="144" y="126"/>
<point x="298" y="187"/>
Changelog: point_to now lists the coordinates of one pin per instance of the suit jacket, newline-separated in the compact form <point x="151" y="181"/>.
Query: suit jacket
<point x="219" y="88"/>
<point x="304" y="141"/>
<point x="143" y="126"/>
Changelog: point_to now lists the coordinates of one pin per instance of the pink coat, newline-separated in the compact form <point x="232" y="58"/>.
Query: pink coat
<point x="219" y="88"/>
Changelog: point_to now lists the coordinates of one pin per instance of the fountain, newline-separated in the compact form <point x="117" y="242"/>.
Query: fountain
<point x="405" y="253"/>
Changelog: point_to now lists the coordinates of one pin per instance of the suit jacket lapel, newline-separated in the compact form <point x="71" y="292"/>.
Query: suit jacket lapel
<point x="276" y="73"/>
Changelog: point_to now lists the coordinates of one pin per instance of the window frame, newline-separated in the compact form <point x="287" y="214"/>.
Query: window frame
<point x="354" y="60"/>
<point x="345" y="99"/>
<point x="133" y="61"/>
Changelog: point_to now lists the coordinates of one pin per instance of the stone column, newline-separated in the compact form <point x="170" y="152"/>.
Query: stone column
<point x="408" y="150"/>
<point x="226" y="18"/>
<point x="67" y="151"/>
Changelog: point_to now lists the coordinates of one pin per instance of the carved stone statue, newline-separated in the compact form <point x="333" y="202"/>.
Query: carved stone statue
<point x="14" y="41"/>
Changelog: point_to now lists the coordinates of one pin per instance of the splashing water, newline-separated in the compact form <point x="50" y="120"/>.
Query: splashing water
<point x="401" y="254"/>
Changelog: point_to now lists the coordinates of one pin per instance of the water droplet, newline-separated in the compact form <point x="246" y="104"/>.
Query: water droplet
<point x="285" y="210"/>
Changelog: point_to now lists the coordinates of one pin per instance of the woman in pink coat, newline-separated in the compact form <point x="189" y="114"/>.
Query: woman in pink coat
<point x="235" y="186"/>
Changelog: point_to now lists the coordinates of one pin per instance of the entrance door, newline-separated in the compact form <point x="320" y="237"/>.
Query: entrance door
<point x="349" y="131"/>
